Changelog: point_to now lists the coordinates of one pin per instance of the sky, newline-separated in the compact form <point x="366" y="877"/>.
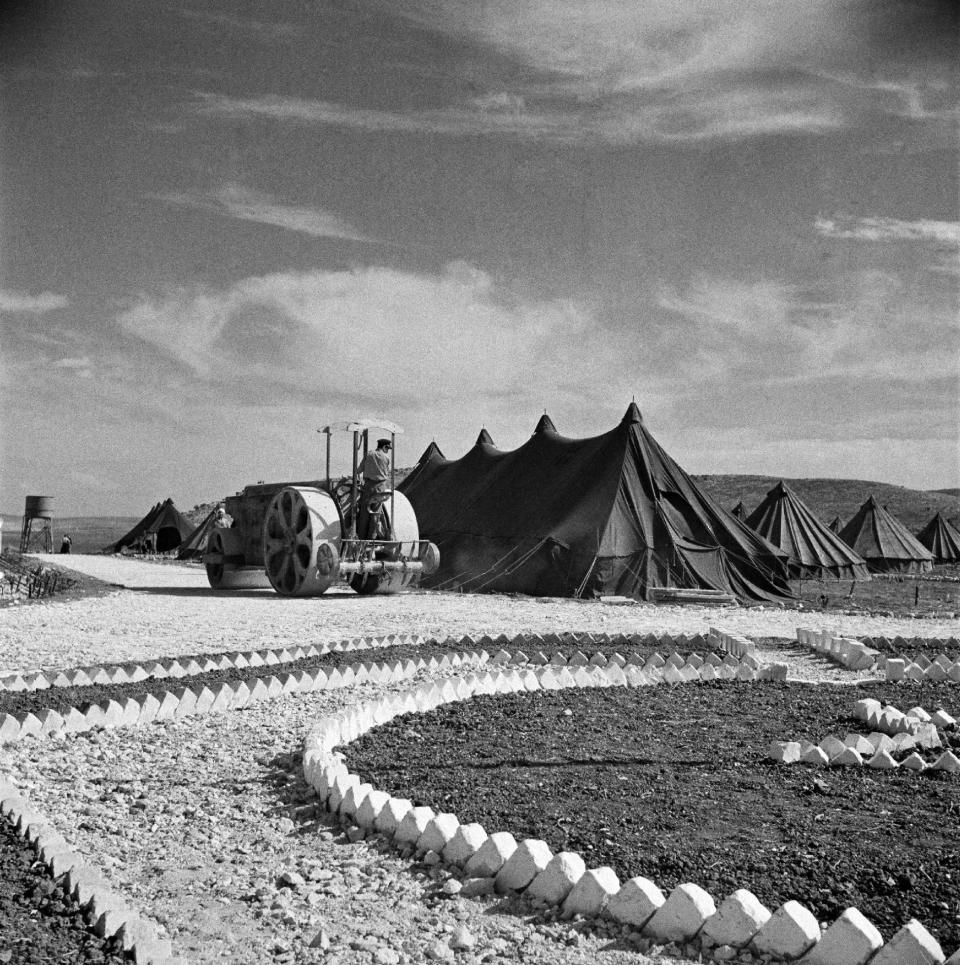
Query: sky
<point x="226" y="224"/>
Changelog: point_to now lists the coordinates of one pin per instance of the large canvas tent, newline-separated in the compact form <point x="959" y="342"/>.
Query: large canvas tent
<point x="612" y="515"/>
<point x="814" y="551"/>
<point x="884" y="542"/>
<point x="739" y="511"/>
<point x="192" y="548"/>
<point x="941" y="539"/>
<point x="164" y="520"/>
<point x="836" y="524"/>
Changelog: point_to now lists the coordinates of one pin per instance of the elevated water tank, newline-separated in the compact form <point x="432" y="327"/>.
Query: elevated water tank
<point x="39" y="507"/>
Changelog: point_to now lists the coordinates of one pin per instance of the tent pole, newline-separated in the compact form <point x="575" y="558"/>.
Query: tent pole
<point x="393" y="472"/>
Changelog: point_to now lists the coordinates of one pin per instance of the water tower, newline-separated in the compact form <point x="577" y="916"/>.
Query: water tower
<point x="37" y="531"/>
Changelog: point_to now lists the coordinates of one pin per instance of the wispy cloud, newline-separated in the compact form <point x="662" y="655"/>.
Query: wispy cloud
<point x="379" y="332"/>
<point x="12" y="301"/>
<point x="773" y="333"/>
<point x="235" y="201"/>
<point x="259" y="28"/>
<point x="889" y="229"/>
<point x="684" y="116"/>
<point x="81" y="367"/>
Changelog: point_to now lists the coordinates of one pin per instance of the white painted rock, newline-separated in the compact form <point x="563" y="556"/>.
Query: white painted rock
<point x="784" y="752"/>
<point x="914" y="762"/>
<point x="492" y="855"/>
<point x="832" y="746"/>
<point x="464" y="844"/>
<point x="851" y="940"/>
<point x="439" y="831"/>
<point x="942" y="719"/>
<point x="370" y="807"/>
<point x="635" y="902"/>
<point x="739" y="917"/>
<point x="815" y="755"/>
<point x="862" y="708"/>
<point x="859" y="743"/>
<point x="589" y="896"/>
<point x="682" y="915"/>
<point x="947" y="761"/>
<point x="556" y="881"/>
<point x="848" y="757"/>
<point x="391" y="814"/>
<point x="882" y="761"/>
<point x="413" y="825"/>
<point x="912" y="945"/>
<point x="527" y="861"/>
<point x="789" y="932"/>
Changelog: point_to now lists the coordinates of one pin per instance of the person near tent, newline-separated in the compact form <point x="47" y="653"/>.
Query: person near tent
<point x="376" y="484"/>
<point x="65" y="543"/>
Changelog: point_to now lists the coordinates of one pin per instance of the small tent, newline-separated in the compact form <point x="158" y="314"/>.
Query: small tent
<point x="608" y="515"/>
<point x="164" y="520"/>
<point x="739" y="511"/>
<point x="192" y="548"/>
<point x="814" y="551"/>
<point x="835" y="525"/>
<point x="884" y="542"/>
<point x="942" y="540"/>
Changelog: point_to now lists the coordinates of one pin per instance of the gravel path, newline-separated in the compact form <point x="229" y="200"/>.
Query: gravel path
<point x="198" y="821"/>
<point x="170" y="610"/>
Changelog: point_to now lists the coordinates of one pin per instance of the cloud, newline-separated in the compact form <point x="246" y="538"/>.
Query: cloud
<point x="376" y="334"/>
<point x="889" y="229"/>
<point x="234" y="201"/>
<point x="770" y="333"/>
<point x="11" y="301"/>
<point x="81" y="367"/>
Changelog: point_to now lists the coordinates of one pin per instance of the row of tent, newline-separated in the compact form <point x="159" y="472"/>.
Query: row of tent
<point x="873" y="533"/>
<point x="164" y="529"/>
<point x="615" y="515"/>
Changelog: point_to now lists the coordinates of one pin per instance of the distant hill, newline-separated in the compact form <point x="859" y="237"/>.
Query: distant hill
<point x="949" y="492"/>
<point x="837" y="497"/>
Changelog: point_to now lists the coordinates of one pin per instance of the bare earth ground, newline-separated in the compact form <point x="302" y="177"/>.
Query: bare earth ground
<point x="196" y="820"/>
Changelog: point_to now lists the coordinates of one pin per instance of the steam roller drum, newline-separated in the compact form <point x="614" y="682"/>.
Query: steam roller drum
<point x="407" y="530"/>
<point x="299" y="521"/>
<point x="222" y="573"/>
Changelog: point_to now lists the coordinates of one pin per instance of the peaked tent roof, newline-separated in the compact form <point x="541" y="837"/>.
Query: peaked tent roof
<point x="835" y="525"/>
<point x="884" y="542"/>
<point x="739" y="511"/>
<point x="193" y="546"/>
<point x="612" y="514"/>
<point x="165" y="520"/>
<point x="941" y="539"/>
<point x="814" y="551"/>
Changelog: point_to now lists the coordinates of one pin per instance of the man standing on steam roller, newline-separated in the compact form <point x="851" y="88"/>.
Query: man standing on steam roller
<point x="376" y="483"/>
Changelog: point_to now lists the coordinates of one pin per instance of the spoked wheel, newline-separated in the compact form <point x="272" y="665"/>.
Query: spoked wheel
<point x="299" y="521"/>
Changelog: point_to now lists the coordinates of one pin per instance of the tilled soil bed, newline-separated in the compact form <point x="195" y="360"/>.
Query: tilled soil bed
<point x="674" y="784"/>
<point x="62" y="699"/>
<point x="39" y="924"/>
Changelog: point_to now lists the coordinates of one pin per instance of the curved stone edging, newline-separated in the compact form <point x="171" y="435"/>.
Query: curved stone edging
<point x="686" y="915"/>
<point x="107" y="913"/>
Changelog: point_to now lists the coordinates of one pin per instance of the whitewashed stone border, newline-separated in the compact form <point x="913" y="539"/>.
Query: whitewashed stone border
<point x="107" y="913"/>
<point x="856" y="655"/>
<point x="688" y="914"/>
<point x="132" y="672"/>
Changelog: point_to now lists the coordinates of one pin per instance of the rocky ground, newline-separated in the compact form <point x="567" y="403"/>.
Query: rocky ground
<point x="206" y="825"/>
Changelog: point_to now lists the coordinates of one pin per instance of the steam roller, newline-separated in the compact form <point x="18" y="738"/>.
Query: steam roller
<point x="301" y="538"/>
